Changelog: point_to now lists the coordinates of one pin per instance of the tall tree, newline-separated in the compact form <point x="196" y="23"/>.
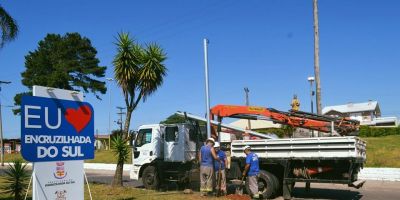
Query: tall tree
<point x="67" y="62"/>
<point x="139" y="71"/>
<point x="9" y="27"/>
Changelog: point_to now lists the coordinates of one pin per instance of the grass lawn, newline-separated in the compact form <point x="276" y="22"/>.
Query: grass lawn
<point x="11" y="157"/>
<point x="105" y="192"/>
<point x="383" y="151"/>
<point x="105" y="156"/>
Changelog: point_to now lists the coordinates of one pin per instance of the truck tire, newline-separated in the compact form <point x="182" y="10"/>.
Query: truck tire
<point x="150" y="178"/>
<point x="267" y="185"/>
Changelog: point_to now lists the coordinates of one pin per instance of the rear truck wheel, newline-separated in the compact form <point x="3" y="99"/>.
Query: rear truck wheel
<point x="150" y="178"/>
<point x="267" y="185"/>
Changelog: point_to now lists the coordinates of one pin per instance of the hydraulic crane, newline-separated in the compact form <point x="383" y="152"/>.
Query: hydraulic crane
<point x="327" y="124"/>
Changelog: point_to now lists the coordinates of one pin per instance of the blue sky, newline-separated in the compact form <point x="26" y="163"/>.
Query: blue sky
<point x="264" y="45"/>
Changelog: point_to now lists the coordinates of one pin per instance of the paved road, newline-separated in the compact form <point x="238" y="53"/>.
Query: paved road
<point x="372" y="190"/>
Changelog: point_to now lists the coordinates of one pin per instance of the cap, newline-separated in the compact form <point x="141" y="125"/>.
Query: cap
<point x="216" y="145"/>
<point x="246" y="147"/>
<point x="211" y="140"/>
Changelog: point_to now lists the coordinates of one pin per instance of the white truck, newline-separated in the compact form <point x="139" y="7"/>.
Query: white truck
<point x="163" y="153"/>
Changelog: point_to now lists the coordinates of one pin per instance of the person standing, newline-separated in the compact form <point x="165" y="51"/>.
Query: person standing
<point x="220" y="170"/>
<point x="206" y="157"/>
<point x="252" y="169"/>
<point x="295" y="103"/>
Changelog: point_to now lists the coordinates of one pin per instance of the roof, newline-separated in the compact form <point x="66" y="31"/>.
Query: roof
<point x="101" y="136"/>
<point x="353" y="107"/>
<point x="255" y="124"/>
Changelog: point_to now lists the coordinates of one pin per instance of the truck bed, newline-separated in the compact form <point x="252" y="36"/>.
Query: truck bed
<point x="312" y="148"/>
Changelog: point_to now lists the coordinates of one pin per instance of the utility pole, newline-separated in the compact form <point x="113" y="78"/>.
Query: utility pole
<point x="120" y="113"/>
<point x="316" y="57"/>
<point x="246" y="90"/>
<point x="205" y="41"/>
<point x="1" y="128"/>
<point x="109" y="115"/>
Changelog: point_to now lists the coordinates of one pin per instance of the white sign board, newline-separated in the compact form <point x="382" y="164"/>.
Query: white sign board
<point x="61" y="180"/>
<point x="58" y="180"/>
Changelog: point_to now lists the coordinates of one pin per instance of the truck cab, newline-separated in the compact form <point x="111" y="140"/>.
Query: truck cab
<point x="164" y="153"/>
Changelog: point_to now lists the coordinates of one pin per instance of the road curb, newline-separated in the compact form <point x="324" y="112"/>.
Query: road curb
<point x="380" y="174"/>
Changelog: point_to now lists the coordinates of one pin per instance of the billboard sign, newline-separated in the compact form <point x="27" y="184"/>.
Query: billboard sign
<point x="56" y="130"/>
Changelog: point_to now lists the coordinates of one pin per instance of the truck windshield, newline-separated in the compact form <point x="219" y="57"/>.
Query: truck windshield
<point x="143" y="137"/>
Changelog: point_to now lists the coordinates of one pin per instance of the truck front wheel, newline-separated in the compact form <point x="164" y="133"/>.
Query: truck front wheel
<point x="150" y="178"/>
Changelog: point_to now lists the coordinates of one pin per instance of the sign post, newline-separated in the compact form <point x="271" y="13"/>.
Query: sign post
<point x="57" y="134"/>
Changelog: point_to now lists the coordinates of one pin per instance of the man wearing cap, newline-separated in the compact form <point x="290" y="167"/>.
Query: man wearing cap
<point x="251" y="170"/>
<point x="206" y="158"/>
<point x="220" y="169"/>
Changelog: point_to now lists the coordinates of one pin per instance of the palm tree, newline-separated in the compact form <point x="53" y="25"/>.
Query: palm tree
<point x="9" y="27"/>
<point x="139" y="72"/>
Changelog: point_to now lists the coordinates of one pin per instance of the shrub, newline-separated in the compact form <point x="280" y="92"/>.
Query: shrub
<point x="16" y="179"/>
<point x="367" y="131"/>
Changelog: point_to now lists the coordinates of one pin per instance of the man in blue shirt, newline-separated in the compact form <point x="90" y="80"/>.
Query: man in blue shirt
<point x="252" y="170"/>
<point x="219" y="168"/>
<point x="206" y="158"/>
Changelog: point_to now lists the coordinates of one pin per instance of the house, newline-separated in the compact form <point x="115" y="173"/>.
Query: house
<point x="101" y="142"/>
<point x="11" y="146"/>
<point x="368" y="113"/>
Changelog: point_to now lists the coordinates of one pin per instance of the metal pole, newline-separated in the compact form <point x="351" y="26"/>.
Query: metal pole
<point x="1" y="138"/>
<point x="312" y="97"/>
<point x="109" y="116"/>
<point x="207" y="87"/>
<point x="311" y="80"/>
<point x="246" y="90"/>
<point x="1" y="129"/>
<point x="109" y="122"/>
<point x="316" y="58"/>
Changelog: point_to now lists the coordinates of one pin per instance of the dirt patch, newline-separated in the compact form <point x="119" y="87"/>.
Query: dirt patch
<point x="238" y="197"/>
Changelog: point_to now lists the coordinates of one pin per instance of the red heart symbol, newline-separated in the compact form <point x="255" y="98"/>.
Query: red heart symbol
<point x="78" y="118"/>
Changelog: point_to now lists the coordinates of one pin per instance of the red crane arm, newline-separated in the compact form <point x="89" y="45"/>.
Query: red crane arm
<point x="294" y="119"/>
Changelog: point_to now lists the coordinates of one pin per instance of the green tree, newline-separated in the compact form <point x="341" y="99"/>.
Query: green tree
<point x="67" y="62"/>
<point x="139" y="72"/>
<point x="16" y="177"/>
<point x="9" y="27"/>
<point x="174" y="119"/>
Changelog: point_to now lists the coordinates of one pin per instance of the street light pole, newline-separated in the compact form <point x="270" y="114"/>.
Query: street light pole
<point x="246" y="90"/>
<point x="109" y="115"/>
<point x="1" y="129"/>
<point x="311" y="79"/>
<point x="205" y="41"/>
